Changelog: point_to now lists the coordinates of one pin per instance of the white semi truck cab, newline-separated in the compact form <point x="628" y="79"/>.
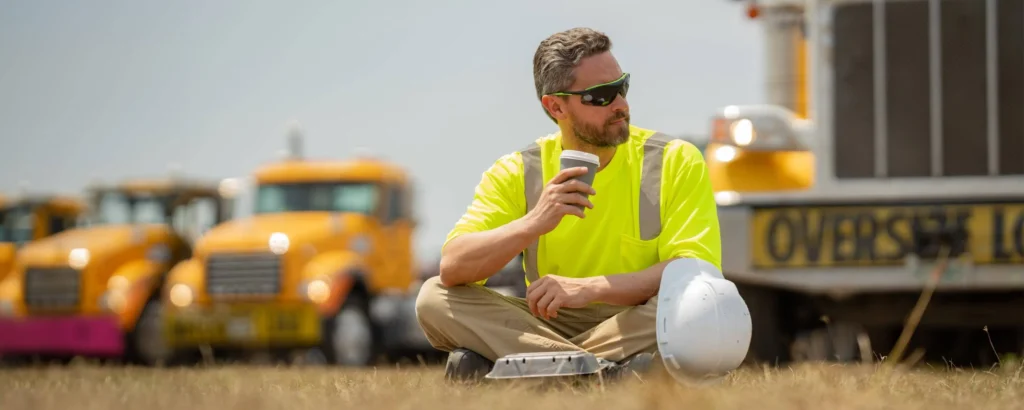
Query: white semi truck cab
<point x="892" y="136"/>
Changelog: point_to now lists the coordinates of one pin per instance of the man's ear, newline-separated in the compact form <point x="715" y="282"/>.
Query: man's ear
<point x="555" y="106"/>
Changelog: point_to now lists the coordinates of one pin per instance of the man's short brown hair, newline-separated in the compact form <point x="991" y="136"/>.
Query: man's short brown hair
<point x="557" y="56"/>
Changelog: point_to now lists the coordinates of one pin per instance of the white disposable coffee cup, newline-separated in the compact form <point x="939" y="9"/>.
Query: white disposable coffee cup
<point x="572" y="159"/>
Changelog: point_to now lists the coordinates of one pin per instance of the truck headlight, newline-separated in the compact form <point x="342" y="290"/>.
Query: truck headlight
<point x="180" y="295"/>
<point x="113" y="300"/>
<point x="725" y="153"/>
<point x="118" y="282"/>
<point x="316" y="290"/>
<point x="78" y="258"/>
<point x="278" y="243"/>
<point x="727" y="198"/>
<point x="6" y="308"/>
<point x="758" y="128"/>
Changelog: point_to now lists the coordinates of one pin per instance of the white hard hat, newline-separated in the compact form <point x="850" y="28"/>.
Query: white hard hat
<point x="703" y="325"/>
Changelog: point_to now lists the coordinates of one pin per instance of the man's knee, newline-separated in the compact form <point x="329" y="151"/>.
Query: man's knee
<point x="431" y="301"/>
<point x="437" y="301"/>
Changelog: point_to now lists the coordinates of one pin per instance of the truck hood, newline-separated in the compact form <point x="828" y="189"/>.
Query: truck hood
<point x="254" y="233"/>
<point x="99" y="240"/>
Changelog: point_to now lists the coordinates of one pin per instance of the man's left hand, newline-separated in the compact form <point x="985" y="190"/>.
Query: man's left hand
<point x="551" y="292"/>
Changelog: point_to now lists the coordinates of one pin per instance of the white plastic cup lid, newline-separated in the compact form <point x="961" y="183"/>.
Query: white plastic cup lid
<point x="581" y="156"/>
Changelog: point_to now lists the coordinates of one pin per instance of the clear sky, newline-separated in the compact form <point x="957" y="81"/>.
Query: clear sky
<point x="114" y="89"/>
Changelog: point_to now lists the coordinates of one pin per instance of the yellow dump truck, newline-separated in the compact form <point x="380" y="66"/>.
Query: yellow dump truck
<point x="324" y="264"/>
<point x="891" y="141"/>
<point x="28" y="218"/>
<point x="93" y="290"/>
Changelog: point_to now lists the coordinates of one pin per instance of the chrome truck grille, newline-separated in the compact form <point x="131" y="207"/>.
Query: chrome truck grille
<point x="52" y="288"/>
<point x="243" y="274"/>
<point x="927" y="88"/>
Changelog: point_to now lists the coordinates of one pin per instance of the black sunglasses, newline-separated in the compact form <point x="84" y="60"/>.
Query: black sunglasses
<point x="602" y="94"/>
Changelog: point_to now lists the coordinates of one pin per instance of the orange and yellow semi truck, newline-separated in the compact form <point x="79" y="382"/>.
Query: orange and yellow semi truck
<point x="93" y="290"/>
<point x="324" y="264"/>
<point x="28" y="218"/>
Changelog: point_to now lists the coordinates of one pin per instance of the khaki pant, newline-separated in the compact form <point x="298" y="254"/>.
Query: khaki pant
<point x="482" y="320"/>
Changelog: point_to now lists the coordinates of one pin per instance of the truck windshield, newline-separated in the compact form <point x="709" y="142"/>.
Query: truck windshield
<point x="118" y="208"/>
<point x="333" y="197"/>
<point x="16" y="225"/>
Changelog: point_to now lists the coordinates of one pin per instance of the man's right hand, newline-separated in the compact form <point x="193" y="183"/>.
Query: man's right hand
<point x="475" y="256"/>
<point x="559" y="198"/>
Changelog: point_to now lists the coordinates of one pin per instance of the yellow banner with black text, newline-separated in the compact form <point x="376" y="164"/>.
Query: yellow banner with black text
<point x="833" y="236"/>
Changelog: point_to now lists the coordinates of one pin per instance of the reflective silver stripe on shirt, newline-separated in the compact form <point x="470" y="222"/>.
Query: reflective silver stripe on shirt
<point x="533" y="184"/>
<point x="649" y="200"/>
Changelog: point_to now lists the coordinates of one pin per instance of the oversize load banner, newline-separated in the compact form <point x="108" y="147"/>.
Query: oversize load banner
<point x="868" y="235"/>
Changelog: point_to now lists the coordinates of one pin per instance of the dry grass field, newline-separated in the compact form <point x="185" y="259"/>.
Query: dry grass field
<point x="805" y="386"/>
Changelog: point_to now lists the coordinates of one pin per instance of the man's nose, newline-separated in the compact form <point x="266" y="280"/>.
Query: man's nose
<point x="620" y="104"/>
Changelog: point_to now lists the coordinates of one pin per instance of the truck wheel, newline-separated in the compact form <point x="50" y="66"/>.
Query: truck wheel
<point x="147" y="340"/>
<point x="350" y="337"/>
<point x="835" y="343"/>
<point x="767" y="344"/>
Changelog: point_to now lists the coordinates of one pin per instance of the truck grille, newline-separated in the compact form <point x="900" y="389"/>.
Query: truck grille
<point x="243" y="274"/>
<point x="928" y="88"/>
<point x="52" y="288"/>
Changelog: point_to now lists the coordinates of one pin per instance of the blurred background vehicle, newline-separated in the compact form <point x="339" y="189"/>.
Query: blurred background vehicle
<point x="93" y="290"/>
<point x="324" y="264"/>
<point x="30" y="217"/>
<point x="891" y="138"/>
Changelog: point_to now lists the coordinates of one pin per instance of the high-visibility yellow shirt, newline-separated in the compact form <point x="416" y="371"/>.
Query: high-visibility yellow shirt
<point x="607" y="241"/>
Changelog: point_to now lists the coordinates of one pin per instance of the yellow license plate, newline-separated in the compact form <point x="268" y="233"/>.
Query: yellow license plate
<point x="244" y="325"/>
<point x="832" y="236"/>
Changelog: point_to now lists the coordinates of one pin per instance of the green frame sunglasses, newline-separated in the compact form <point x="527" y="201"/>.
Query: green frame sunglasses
<point x="602" y="94"/>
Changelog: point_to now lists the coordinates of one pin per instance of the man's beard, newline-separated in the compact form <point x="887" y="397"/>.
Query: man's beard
<point x="608" y="135"/>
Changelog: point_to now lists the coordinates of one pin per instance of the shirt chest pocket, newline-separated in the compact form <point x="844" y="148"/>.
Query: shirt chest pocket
<point x="637" y="254"/>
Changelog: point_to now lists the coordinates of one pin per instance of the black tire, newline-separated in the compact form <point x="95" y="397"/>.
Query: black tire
<point x="833" y="343"/>
<point x="146" y="343"/>
<point x="350" y="338"/>
<point x="768" y="342"/>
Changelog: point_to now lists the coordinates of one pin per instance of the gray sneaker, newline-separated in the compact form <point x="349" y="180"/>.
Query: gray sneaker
<point x="466" y="365"/>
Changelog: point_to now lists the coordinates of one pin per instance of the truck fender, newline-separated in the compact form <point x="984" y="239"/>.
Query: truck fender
<point x="342" y="270"/>
<point x="143" y="279"/>
<point x="10" y="292"/>
<point x="188" y="272"/>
